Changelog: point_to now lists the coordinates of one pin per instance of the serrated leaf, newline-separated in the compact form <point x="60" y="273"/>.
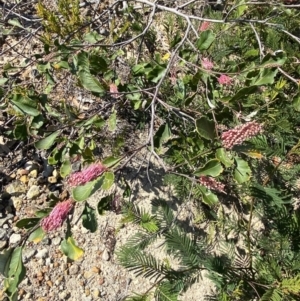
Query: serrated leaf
<point x="70" y="249"/>
<point x="108" y="180"/>
<point x="89" y="220"/>
<point x="83" y="192"/>
<point x="205" y="128"/>
<point x="212" y="168"/>
<point x="37" y="235"/>
<point x="89" y="82"/>
<point x="65" y="168"/>
<point x="223" y="156"/>
<point x="47" y="142"/>
<point x="242" y="171"/>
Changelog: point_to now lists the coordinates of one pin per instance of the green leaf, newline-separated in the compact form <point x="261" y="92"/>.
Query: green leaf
<point x="205" y="128"/>
<point x="111" y="162"/>
<point x="112" y="121"/>
<point x="223" y="156"/>
<point x="37" y="235"/>
<point x="70" y="249"/>
<point x="4" y="261"/>
<point x="16" y="272"/>
<point x="65" y="168"/>
<point x="89" y="220"/>
<point x="162" y="135"/>
<point x="266" y="76"/>
<point x="15" y="22"/>
<point x="27" y="223"/>
<point x="208" y="197"/>
<point x="108" y="181"/>
<point x="25" y="105"/>
<point x="274" y="60"/>
<point x="104" y="204"/>
<point x="81" y="193"/>
<point x="296" y="102"/>
<point x="244" y="92"/>
<point x="20" y="132"/>
<point x="89" y="82"/>
<point x="3" y="80"/>
<point x="212" y="168"/>
<point x="156" y="73"/>
<point x="205" y="40"/>
<point x="242" y="171"/>
<point x="47" y="142"/>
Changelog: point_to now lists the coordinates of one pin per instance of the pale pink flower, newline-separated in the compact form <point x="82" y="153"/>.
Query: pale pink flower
<point x="114" y="90"/>
<point x="57" y="216"/>
<point x="211" y="183"/>
<point x="224" y="80"/>
<point x="207" y="63"/>
<point x="86" y="175"/>
<point x="240" y="133"/>
<point x="204" y="26"/>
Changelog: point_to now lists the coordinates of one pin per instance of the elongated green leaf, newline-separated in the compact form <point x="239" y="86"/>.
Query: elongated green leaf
<point x="104" y="204"/>
<point x="81" y="193"/>
<point x="205" y="40"/>
<point x="112" y="121"/>
<point x="47" y="142"/>
<point x="208" y="197"/>
<point x="242" y="171"/>
<point x="70" y="249"/>
<point x="296" y="102"/>
<point x="25" y="105"/>
<point x="212" y="168"/>
<point x="205" y="128"/>
<point x="162" y="135"/>
<point x="27" y="223"/>
<point x="65" y="168"/>
<point x="111" y="161"/>
<point x="89" y="220"/>
<point x="274" y="60"/>
<point x="37" y="235"/>
<point x="89" y="82"/>
<point x="108" y="180"/>
<point x="4" y="262"/>
<point x="266" y="76"/>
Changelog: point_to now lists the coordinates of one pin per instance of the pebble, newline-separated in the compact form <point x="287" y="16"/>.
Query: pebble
<point x="3" y="244"/>
<point x="87" y="291"/>
<point x="15" y="238"/>
<point x="2" y="234"/>
<point x="88" y="274"/>
<point x="33" y="192"/>
<point x="27" y="254"/>
<point x="63" y="295"/>
<point x="33" y="174"/>
<point x="52" y="180"/>
<point x="96" y="270"/>
<point x="74" y="269"/>
<point x="105" y="255"/>
<point x="96" y="293"/>
<point x="16" y="187"/>
<point x="42" y="253"/>
<point x="24" y="179"/>
<point x="4" y="220"/>
<point x="48" y="169"/>
<point x="48" y="261"/>
<point x="30" y="165"/>
<point x="17" y="202"/>
<point x="56" y="240"/>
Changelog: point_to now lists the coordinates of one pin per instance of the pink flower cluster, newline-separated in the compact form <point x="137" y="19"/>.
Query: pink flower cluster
<point x="224" y="80"/>
<point x="86" y="175"/>
<point x="207" y="63"/>
<point x="240" y="133"/>
<point x="57" y="216"/>
<point x="204" y="26"/>
<point x="211" y="183"/>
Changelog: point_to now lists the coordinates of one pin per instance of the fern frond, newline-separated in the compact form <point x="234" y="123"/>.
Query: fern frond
<point x="272" y="294"/>
<point x="166" y="292"/>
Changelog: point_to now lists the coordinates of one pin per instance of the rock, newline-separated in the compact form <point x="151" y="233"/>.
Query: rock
<point x="30" y="165"/>
<point x="55" y="173"/>
<point x="63" y="295"/>
<point x="96" y="270"/>
<point x="105" y="255"/>
<point x="88" y="274"/>
<point x="96" y="293"/>
<point x="42" y="253"/>
<point x="87" y="291"/>
<point x="15" y="188"/>
<point x="48" y="261"/>
<point x="27" y="254"/>
<point x="33" y="192"/>
<point x="17" y="202"/>
<point x="33" y="174"/>
<point x="15" y="238"/>
<point x="48" y="169"/>
<point x="3" y="244"/>
<point x="56" y="240"/>
<point x="24" y="179"/>
<point x="3" y="234"/>
<point x="74" y="269"/>
<point x="52" y="180"/>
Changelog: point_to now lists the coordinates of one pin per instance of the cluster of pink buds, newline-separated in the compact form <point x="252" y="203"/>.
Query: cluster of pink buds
<point x="57" y="216"/>
<point x="224" y="80"/>
<point x="204" y="26"/>
<point x="240" y="133"/>
<point x="86" y="175"/>
<point x="207" y="63"/>
<point x="211" y="184"/>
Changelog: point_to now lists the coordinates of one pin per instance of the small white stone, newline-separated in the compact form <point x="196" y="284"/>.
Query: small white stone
<point x="56" y="240"/>
<point x="105" y="255"/>
<point x="15" y="238"/>
<point x="42" y="253"/>
<point x="33" y="192"/>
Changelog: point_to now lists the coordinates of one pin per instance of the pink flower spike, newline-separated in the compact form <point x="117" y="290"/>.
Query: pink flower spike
<point x="224" y="80"/>
<point x="57" y="216"/>
<point x="240" y="133"/>
<point x="204" y="26"/>
<point x="212" y="184"/>
<point x="86" y="175"/>
<point x="207" y="64"/>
